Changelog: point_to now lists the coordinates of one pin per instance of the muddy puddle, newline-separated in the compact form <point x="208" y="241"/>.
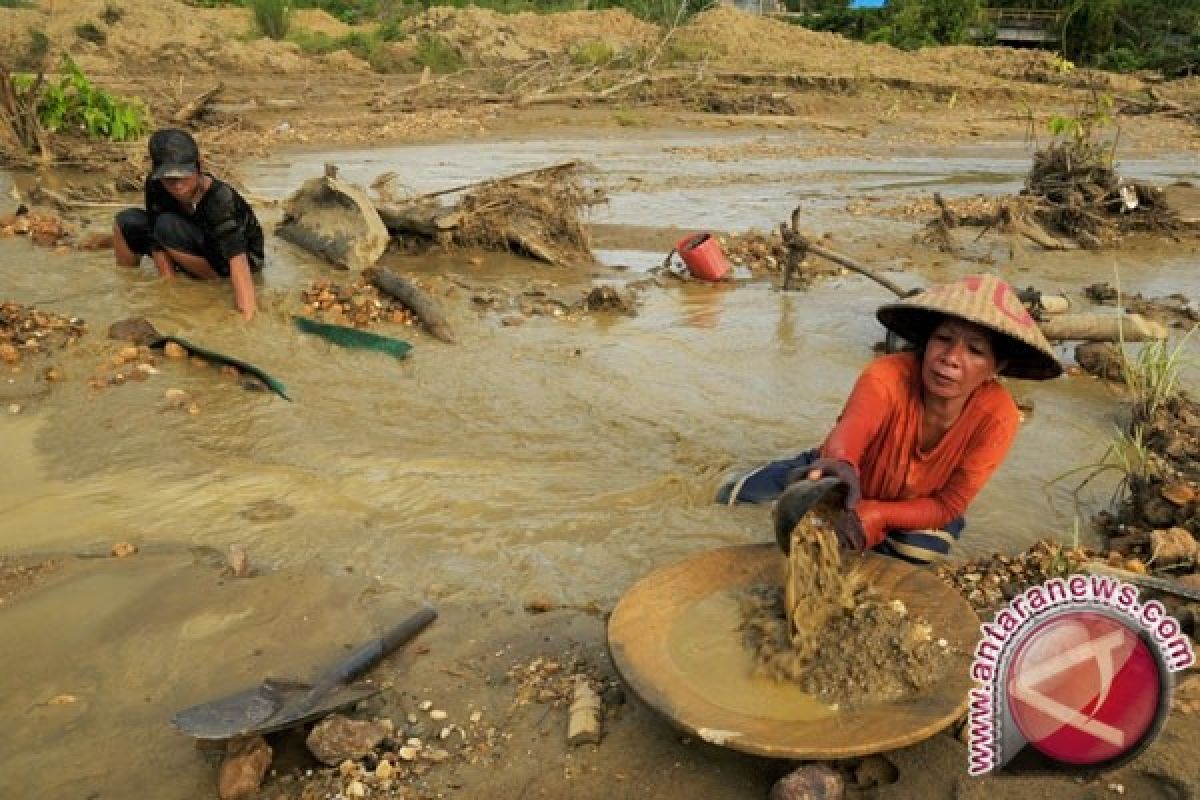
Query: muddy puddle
<point x="564" y="457"/>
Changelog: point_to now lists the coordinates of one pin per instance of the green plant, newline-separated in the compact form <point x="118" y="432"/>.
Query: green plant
<point x="273" y="17"/>
<point x="629" y="119"/>
<point x="594" y="53"/>
<point x="439" y="55"/>
<point x="90" y="33"/>
<point x="1153" y="375"/>
<point x="74" y="103"/>
<point x="16" y="4"/>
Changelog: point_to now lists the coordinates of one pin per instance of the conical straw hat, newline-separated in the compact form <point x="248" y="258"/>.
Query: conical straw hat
<point x="985" y="300"/>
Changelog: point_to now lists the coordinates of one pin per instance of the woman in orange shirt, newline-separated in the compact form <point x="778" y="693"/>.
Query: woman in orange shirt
<point x="922" y="431"/>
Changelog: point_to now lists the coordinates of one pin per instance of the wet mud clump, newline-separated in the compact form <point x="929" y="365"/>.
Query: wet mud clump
<point x="831" y="633"/>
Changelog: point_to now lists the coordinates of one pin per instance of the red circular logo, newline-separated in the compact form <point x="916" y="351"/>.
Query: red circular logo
<point x="1083" y="688"/>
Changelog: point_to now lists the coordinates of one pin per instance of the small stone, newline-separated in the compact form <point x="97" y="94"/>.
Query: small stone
<point x="540" y="605"/>
<point x="412" y="719"/>
<point x="193" y="409"/>
<point x="476" y="716"/>
<point x="9" y="354"/>
<point x="425" y="705"/>
<point x="123" y="549"/>
<point x="414" y="742"/>
<point x="175" y="397"/>
<point x="408" y="753"/>
<point x="356" y="789"/>
<point x="348" y="768"/>
<point x="436" y="755"/>
<point x="128" y="353"/>
<point x="14" y="408"/>
<point x="337" y="738"/>
<point x="445" y="732"/>
<point x="244" y="767"/>
<point x="174" y="350"/>
<point x="438" y="714"/>
<point x="384" y="771"/>
<point x="197" y="361"/>
<point x="811" y="782"/>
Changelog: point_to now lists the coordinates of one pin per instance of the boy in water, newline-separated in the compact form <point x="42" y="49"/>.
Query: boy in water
<point x="192" y="221"/>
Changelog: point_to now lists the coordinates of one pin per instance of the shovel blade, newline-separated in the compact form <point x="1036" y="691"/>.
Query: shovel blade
<point x="271" y="706"/>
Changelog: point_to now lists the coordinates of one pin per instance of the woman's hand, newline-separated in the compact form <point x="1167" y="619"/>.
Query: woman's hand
<point x="845" y="472"/>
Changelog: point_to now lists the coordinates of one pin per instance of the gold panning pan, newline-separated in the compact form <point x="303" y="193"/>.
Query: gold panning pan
<point x="674" y="638"/>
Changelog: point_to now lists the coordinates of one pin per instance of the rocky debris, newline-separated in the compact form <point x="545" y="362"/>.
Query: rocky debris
<point x="243" y="768"/>
<point x="123" y="549"/>
<point x="16" y="575"/>
<point x="359" y="304"/>
<point x="1162" y="492"/>
<point x="43" y="228"/>
<point x="1186" y="698"/>
<point x="130" y="363"/>
<point x="26" y="331"/>
<point x="609" y="298"/>
<point x="1174" y="546"/>
<point x="989" y="583"/>
<point x="1175" y="310"/>
<point x="810" y="782"/>
<point x="1102" y="359"/>
<point x="336" y="738"/>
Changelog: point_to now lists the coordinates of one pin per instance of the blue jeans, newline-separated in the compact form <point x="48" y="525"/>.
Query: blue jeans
<point x="766" y="483"/>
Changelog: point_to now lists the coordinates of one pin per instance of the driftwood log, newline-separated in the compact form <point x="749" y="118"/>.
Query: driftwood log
<point x="196" y="105"/>
<point x="414" y="299"/>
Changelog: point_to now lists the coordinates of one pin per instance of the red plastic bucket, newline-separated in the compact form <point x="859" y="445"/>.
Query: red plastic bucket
<point x="701" y="253"/>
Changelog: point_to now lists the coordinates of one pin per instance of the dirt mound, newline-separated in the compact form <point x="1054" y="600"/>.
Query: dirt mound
<point x="737" y="38"/>
<point x="487" y="38"/>
<point x="139" y="35"/>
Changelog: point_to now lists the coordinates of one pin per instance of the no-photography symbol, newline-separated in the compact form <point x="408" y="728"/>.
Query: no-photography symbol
<point x="1086" y="688"/>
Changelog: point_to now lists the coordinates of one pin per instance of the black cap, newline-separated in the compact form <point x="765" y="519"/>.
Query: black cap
<point x="174" y="154"/>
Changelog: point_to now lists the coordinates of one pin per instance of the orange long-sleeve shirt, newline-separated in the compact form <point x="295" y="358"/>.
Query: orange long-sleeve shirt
<point x="879" y="432"/>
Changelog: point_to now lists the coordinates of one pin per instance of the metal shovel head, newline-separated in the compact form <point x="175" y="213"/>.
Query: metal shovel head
<point x="271" y="706"/>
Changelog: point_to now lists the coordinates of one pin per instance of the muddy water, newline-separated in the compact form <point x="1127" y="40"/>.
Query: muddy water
<point x="564" y="458"/>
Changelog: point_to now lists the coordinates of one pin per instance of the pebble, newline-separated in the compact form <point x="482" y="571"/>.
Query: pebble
<point x="356" y="789"/>
<point x="174" y="350"/>
<point x="476" y="716"/>
<point x="438" y="714"/>
<point x="445" y="732"/>
<point x="15" y="408"/>
<point x="123" y="549"/>
<point x="425" y="705"/>
<point x="384" y="771"/>
<point x="408" y="753"/>
<point x="412" y="719"/>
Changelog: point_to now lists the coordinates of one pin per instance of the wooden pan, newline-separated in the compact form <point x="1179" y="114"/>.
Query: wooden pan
<point x="644" y="636"/>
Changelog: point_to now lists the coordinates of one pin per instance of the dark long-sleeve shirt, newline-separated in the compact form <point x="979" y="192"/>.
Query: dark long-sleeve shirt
<point x="222" y="214"/>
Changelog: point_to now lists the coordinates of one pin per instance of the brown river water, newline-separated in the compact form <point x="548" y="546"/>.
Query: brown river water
<point x="561" y="457"/>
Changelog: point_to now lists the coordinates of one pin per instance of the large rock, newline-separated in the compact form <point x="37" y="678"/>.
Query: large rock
<point x="246" y="763"/>
<point x="336" y="739"/>
<point x="336" y="220"/>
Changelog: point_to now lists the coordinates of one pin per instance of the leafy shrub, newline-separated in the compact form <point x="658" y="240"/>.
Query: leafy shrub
<point x="438" y="54"/>
<point x="595" y="53"/>
<point x="273" y="17"/>
<point x="75" y="104"/>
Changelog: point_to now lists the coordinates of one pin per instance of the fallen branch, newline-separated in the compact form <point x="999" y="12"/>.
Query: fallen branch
<point x="415" y="300"/>
<point x="197" y="105"/>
